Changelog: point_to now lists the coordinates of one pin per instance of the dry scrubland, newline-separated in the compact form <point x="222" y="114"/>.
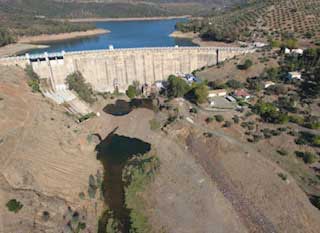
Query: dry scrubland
<point x="220" y="182"/>
<point x="45" y="160"/>
<point x="228" y="70"/>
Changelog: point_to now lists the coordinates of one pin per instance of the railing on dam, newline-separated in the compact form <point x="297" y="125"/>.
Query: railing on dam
<point x="151" y="49"/>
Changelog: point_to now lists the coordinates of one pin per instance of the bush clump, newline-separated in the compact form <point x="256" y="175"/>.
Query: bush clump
<point x="246" y="65"/>
<point x="14" y="206"/>
<point x="282" y="152"/>
<point x="309" y="158"/>
<point x="154" y="124"/>
<point x="177" y="87"/>
<point x="34" y="80"/>
<point x="219" y="118"/>
<point x="84" y="90"/>
<point x="92" y="188"/>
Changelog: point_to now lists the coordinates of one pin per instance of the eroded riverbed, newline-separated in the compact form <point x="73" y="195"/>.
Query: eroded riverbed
<point x="114" y="152"/>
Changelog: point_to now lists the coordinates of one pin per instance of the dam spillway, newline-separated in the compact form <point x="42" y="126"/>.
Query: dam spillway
<point x="107" y="70"/>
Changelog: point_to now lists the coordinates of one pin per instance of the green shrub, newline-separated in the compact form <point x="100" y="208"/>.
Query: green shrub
<point x="236" y="119"/>
<point x="131" y="92"/>
<point x="14" y="206"/>
<point x="246" y="65"/>
<point x="82" y="196"/>
<point x="177" y="87"/>
<point x="267" y="133"/>
<point x="194" y="110"/>
<point x="35" y="85"/>
<point x="92" y="188"/>
<point x="312" y="122"/>
<point x="219" y="118"/>
<point x="137" y="174"/>
<point x="275" y="44"/>
<point x="87" y="116"/>
<point x="154" y="124"/>
<point x="284" y="177"/>
<point x="316" y="140"/>
<point x="113" y="226"/>
<point x="200" y="92"/>
<point x="291" y="43"/>
<point x="34" y="80"/>
<point x="227" y="124"/>
<point x="234" y="84"/>
<point x="309" y="158"/>
<point x="208" y="134"/>
<point x="282" y="152"/>
<point x="307" y="138"/>
<point x="84" y="90"/>
<point x="296" y="119"/>
<point x="45" y="216"/>
<point x="270" y="113"/>
<point x="209" y="120"/>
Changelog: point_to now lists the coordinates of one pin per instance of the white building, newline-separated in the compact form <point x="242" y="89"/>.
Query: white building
<point x="297" y="51"/>
<point x="294" y="75"/>
<point x="269" y="84"/>
<point x="215" y="93"/>
<point x="293" y="51"/>
<point x="259" y="44"/>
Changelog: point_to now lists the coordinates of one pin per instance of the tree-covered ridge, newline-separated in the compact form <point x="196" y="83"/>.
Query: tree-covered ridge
<point x="115" y="8"/>
<point x="260" y="19"/>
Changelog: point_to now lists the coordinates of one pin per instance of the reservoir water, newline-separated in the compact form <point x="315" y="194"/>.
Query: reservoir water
<point x="124" y="34"/>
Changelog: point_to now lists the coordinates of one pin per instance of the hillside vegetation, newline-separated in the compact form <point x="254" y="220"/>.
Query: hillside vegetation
<point x="277" y="19"/>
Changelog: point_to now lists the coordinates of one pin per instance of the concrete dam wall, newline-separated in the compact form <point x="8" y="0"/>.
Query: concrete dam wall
<point x="106" y="70"/>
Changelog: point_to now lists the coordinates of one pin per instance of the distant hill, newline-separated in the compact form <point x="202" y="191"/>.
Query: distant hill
<point x="33" y="17"/>
<point x="277" y="19"/>
<point x="111" y="8"/>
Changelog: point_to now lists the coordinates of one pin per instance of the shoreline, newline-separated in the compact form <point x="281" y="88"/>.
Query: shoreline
<point x="18" y="48"/>
<point x="86" y="20"/>
<point x="61" y="36"/>
<point x="194" y="37"/>
<point x="186" y="35"/>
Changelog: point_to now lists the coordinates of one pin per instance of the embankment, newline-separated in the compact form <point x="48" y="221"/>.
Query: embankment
<point x="18" y="48"/>
<point x="202" y="43"/>
<point x="62" y="36"/>
<point x="82" y="20"/>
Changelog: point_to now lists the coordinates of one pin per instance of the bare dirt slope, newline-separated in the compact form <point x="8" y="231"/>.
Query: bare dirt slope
<point x="45" y="161"/>
<point x="229" y="70"/>
<point x="219" y="185"/>
<point x="183" y="198"/>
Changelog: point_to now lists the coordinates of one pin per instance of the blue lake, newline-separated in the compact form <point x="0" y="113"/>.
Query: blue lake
<point x="125" y="34"/>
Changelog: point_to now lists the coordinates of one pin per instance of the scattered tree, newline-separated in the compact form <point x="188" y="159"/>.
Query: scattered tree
<point x="77" y="83"/>
<point x="177" y="87"/>
<point x="246" y="65"/>
<point x="14" y="206"/>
